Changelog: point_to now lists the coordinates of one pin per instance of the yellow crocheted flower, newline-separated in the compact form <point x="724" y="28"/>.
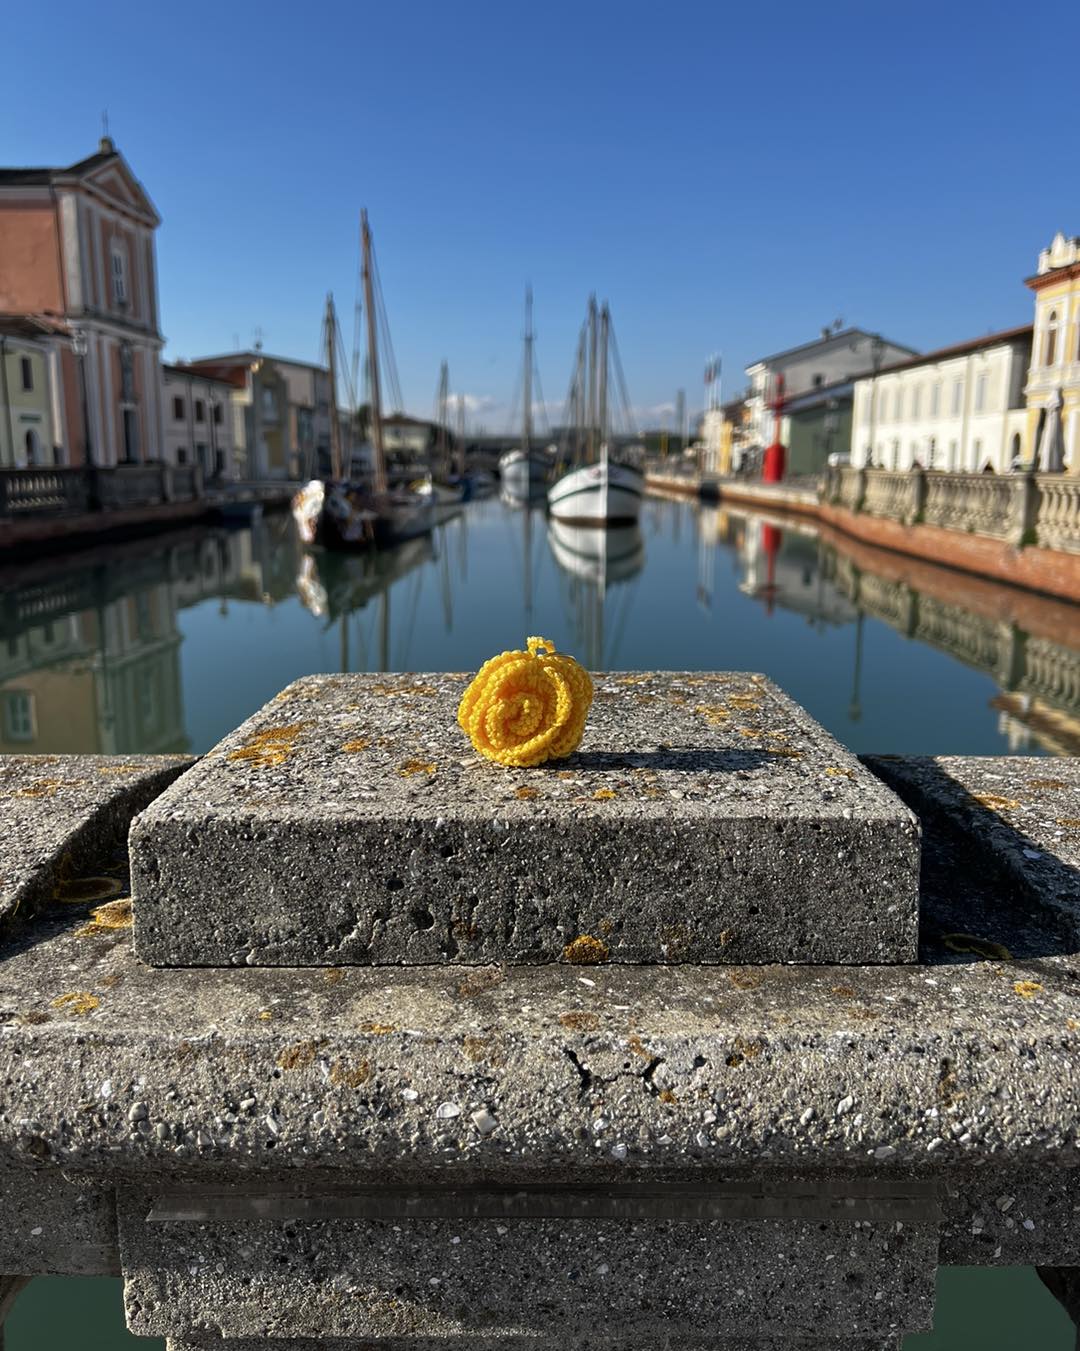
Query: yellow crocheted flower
<point x="523" y="708"/>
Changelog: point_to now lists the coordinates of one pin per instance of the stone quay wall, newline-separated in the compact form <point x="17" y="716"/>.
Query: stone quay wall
<point x="548" y="1147"/>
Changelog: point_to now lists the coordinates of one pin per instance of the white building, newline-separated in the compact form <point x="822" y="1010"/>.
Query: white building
<point x="960" y="408"/>
<point x="839" y="355"/>
<point x="199" y="421"/>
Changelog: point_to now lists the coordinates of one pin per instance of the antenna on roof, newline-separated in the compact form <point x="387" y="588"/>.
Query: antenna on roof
<point x="105" y="145"/>
<point x="258" y="337"/>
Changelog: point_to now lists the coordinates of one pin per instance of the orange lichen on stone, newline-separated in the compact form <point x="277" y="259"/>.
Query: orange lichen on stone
<point x="668" y="1097"/>
<point x="524" y="708"/>
<point x="1027" y="989"/>
<point x="40" y="788"/>
<point x="113" y="915"/>
<point x="265" y="1015"/>
<point x="714" y="714"/>
<point x="298" y="1056"/>
<point x="359" y="743"/>
<point x="270" y="747"/>
<point x="377" y="1029"/>
<point x="78" y="1002"/>
<point x="604" y="794"/>
<point x="996" y="802"/>
<point x="632" y="680"/>
<point x="404" y="691"/>
<point x="333" y="975"/>
<point x="1041" y="785"/>
<point x="835" y="772"/>
<point x="120" y="769"/>
<point x="525" y="793"/>
<point x="586" y="951"/>
<point x="417" y="767"/>
<point x="344" y="1075"/>
<point x="580" y="1020"/>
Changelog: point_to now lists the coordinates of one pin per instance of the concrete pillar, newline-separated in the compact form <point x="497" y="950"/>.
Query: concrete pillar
<point x="1025" y="510"/>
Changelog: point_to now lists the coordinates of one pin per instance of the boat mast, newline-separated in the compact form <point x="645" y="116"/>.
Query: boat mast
<point x="579" y="399"/>
<point x="526" y="431"/>
<point x="592" y="380"/>
<point x="331" y="365"/>
<point x="444" y="394"/>
<point x="461" y="435"/>
<point x="373" y="357"/>
<point x="601" y="398"/>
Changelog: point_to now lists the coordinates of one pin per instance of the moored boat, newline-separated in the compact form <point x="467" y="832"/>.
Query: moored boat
<point x="607" y="493"/>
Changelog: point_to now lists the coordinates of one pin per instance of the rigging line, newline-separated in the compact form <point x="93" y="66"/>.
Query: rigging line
<point x="514" y="405"/>
<point x="543" y="405"/>
<point x="621" y="378"/>
<point x="393" y="382"/>
<point x="357" y="328"/>
<point x="347" y="381"/>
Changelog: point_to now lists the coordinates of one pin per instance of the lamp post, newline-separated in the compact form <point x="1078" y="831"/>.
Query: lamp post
<point x="79" y="347"/>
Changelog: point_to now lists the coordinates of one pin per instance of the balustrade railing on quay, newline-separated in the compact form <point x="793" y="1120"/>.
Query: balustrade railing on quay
<point x="1040" y="509"/>
<point x="35" y="492"/>
<point x="25" y="492"/>
<point x="1057" y="517"/>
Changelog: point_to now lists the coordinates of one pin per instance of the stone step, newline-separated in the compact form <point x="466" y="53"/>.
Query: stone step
<point x="706" y="818"/>
<point x="597" y="1343"/>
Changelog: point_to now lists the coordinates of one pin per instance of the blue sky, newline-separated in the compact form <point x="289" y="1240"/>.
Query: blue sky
<point x="730" y="178"/>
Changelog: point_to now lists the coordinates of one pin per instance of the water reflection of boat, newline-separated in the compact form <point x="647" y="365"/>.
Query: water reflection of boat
<point x="332" y="584"/>
<point x="525" y="469"/>
<point x="600" y="555"/>
<point x="528" y="494"/>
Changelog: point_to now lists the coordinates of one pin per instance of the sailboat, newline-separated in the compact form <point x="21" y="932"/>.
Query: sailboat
<point x="339" y="512"/>
<point x="605" y="490"/>
<point x="522" y="471"/>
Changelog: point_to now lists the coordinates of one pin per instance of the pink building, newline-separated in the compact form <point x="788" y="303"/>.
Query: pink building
<point x="77" y="246"/>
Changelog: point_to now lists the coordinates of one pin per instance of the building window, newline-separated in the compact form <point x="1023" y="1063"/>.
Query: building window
<point x="177" y="408"/>
<point x="27" y="371"/>
<point x="898" y="406"/>
<point x="883" y="415"/>
<point x="819" y="380"/>
<point x="200" y="411"/>
<point x="935" y="398"/>
<point x="119" y="274"/>
<point x="916" y="403"/>
<point x="20" y="722"/>
<point x="181" y="454"/>
<point x="980" y="393"/>
<point x="217" y="414"/>
<point x="269" y="403"/>
<point x="1050" y="348"/>
<point x="957" y="397"/>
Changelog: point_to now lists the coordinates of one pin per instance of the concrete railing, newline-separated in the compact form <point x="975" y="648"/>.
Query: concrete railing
<point x="42" y="491"/>
<point x="55" y="491"/>
<point x="1041" y="509"/>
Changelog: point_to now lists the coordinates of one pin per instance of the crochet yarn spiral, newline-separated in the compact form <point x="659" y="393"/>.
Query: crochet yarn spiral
<point x="524" y="708"/>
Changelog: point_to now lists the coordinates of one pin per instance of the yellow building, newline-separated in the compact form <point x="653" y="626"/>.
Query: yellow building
<point x="26" y="427"/>
<point x="1053" y="388"/>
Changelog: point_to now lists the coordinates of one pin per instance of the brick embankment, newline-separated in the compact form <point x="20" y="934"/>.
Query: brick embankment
<point x="1046" y="570"/>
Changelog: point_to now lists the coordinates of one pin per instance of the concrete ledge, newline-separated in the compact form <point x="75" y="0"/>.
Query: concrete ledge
<point x="60" y="815"/>
<point x="705" y="818"/>
<point x="454" y="1279"/>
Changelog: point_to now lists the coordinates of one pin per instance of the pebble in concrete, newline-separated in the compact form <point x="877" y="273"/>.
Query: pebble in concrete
<point x="705" y="818"/>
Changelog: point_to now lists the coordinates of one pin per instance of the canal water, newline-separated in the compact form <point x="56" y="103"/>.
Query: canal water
<point x="167" y="644"/>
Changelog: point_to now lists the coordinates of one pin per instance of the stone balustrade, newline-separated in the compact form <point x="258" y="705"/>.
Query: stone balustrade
<point x="1041" y="509"/>
<point x="36" y="492"/>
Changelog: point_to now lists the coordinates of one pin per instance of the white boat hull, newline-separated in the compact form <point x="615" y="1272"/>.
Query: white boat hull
<point x="518" y="470"/>
<point x="598" y="494"/>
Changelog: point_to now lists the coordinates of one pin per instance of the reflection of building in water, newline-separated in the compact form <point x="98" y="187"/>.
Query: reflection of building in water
<point x="104" y="679"/>
<point x="783" y="568"/>
<point x="90" y="653"/>
<point x="1039" y="677"/>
